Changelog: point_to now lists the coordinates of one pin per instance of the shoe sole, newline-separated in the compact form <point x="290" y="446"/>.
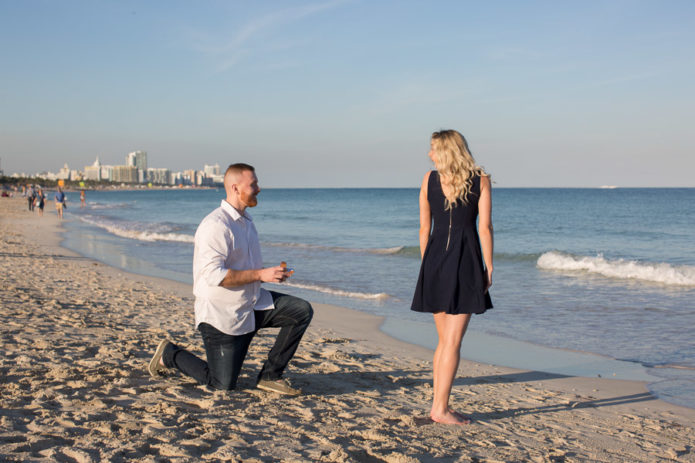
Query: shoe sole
<point x="271" y="389"/>
<point x="154" y="365"/>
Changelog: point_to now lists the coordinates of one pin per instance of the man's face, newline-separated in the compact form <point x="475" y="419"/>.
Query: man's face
<point x="248" y="189"/>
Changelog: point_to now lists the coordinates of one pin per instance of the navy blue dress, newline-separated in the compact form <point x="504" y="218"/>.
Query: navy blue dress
<point x="452" y="277"/>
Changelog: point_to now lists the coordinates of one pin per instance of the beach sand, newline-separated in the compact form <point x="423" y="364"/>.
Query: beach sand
<point x="77" y="336"/>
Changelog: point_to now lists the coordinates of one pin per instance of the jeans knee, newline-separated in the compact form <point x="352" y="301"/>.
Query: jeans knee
<point x="307" y="312"/>
<point x="223" y="381"/>
<point x="222" y="385"/>
<point x="169" y="353"/>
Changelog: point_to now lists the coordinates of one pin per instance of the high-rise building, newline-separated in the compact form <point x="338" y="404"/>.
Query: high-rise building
<point x="211" y="170"/>
<point x="93" y="172"/>
<point x="64" y="173"/>
<point x="125" y="174"/>
<point x="159" y="176"/>
<point x="189" y="177"/>
<point x="138" y="159"/>
<point x="107" y="173"/>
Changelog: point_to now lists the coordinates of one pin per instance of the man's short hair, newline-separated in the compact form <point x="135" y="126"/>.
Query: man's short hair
<point x="238" y="168"/>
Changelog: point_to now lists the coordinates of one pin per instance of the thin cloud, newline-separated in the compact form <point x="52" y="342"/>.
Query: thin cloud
<point x="626" y="78"/>
<point x="243" y="43"/>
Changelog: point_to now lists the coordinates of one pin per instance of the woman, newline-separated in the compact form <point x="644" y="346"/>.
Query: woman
<point x="40" y="201"/>
<point x="453" y="284"/>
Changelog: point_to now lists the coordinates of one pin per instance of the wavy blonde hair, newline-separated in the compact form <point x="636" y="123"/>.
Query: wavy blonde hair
<point x="455" y="165"/>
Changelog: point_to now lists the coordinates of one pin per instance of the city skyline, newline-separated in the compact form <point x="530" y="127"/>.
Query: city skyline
<point x="134" y="170"/>
<point x="347" y="93"/>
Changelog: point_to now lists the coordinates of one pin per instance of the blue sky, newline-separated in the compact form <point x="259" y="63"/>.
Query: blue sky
<point x="347" y="93"/>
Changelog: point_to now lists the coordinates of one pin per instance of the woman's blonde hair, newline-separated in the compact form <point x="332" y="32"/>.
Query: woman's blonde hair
<point x="455" y="165"/>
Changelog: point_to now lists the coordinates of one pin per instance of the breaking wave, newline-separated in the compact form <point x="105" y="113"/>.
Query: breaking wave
<point x="386" y="251"/>
<point x="337" y="292"/>
<point x="675" y="275"/>
<point x="139" y="231"/>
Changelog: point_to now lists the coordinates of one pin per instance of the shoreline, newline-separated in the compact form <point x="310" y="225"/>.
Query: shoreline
<point x="515" y="354"/>
<point x="93" y="328"/>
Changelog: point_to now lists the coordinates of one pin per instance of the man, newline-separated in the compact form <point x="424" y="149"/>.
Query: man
<point x="60" y="202"/>
<point x="31" y="197"/>
<point x="230" y="305"/>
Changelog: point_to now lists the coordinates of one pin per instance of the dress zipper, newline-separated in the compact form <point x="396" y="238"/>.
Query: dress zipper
<point x="448" y="238"/>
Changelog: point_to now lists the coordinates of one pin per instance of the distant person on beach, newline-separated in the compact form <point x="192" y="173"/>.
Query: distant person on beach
<point x="40" y="201"/>
<point x="230" y="305"/>
<point x="31" y="197"/>
<point x="83" y="199"/>
<point x="60" y="202"/>
<point x="453" y="283"/>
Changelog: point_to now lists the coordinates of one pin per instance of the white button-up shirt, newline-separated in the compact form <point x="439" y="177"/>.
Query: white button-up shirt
<point x="224" y="240"/>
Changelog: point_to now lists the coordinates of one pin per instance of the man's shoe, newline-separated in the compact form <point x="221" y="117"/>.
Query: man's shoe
<point x="154" y="366"/>
<point x="281" y="386"/>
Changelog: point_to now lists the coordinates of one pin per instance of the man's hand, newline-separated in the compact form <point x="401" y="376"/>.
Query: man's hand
<point x="276" y="274"/>
<point x="235" y="278"/>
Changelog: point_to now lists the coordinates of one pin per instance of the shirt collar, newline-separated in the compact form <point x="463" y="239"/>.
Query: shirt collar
<point x="233" y="213"/>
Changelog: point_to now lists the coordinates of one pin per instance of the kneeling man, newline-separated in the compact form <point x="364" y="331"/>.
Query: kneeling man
<point x="230" y="305"/>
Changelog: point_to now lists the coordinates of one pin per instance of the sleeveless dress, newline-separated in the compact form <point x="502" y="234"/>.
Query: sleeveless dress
<point x="452" y="277"/>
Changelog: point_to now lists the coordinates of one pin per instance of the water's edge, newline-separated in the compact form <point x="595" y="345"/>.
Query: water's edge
<point x="487" y="348"/>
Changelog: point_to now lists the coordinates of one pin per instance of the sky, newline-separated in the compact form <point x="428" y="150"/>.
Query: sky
<point x="346" y="93"/>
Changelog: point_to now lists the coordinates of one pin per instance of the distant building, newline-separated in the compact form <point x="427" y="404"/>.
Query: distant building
<point x="47" y="176"/>
<point x="188" y="177"/>
<point x="159" y="176"/>
<point x="107" y="173"/>
<point x="211" y="170"/>
<point x="138" y="159"/>
<point x="125" y="174"/>
<point x="64" y="173"/>
<point x="93" y="172"/>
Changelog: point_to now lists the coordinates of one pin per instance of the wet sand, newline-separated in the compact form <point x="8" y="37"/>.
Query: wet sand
<point x="77" y="336"/>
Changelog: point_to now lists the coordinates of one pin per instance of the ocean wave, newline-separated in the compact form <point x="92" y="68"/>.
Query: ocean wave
<point x="675" y="275"/>
<point x="514" y="257"/>
<point x="319" y="247"/>
<point x="337" y="292"/>
<point x="103" y="206"/>
<point x="127" y="230"/>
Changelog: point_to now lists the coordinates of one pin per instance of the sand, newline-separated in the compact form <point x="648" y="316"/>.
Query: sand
<point x="77" y="335"/>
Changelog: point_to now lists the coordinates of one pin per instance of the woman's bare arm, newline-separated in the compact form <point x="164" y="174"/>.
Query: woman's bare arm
<point x="485" y="230"/>
<point x="425" y="215"/>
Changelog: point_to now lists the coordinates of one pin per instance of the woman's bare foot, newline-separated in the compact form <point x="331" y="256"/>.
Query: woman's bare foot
<point x="450" y="417"/>
<point x="458" y="415"/>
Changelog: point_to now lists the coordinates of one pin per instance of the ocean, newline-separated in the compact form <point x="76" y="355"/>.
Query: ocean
<point x="605" y="274"/>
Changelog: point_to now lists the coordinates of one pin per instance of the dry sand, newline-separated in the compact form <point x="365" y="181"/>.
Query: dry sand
<point x="77" y="335"/>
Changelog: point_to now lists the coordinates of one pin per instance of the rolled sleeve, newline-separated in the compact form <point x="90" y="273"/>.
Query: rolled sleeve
<point x="212" y="246"/>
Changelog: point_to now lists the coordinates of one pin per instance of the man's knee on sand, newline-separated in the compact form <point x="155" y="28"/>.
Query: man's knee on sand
<point x="307" y="312"/>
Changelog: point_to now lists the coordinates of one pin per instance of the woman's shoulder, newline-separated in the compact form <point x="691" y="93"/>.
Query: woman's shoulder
<point x="484" y="178"/>
<point x="428" y="176"/>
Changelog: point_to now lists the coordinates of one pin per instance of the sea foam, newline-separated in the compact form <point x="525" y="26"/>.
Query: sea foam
<point x="143" y="235"/>
<point x="676" y="275"/>
<point x="319" y="247"/>
<point x="338" y="292"/>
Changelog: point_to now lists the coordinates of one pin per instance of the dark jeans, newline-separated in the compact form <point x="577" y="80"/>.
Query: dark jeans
<point x="225" y="353"/>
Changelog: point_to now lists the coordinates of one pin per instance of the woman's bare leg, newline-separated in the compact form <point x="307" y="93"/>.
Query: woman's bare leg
<point x="450" y="329"/>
